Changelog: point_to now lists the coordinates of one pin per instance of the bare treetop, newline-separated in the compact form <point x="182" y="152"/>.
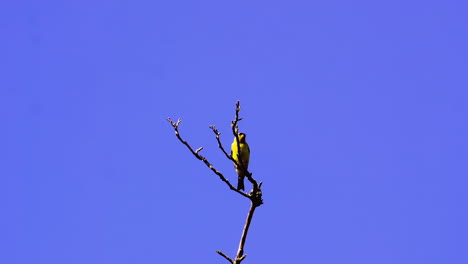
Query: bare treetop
<point x="255" y="194"/>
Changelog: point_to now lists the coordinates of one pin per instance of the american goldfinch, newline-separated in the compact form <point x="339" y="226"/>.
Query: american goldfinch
<point x="244" y="154"/>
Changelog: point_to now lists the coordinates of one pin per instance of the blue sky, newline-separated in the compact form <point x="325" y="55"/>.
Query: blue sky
<point x="355" y="111"/>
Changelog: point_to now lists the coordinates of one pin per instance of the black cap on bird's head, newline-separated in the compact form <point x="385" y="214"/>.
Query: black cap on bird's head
<point x="242" y="137"/>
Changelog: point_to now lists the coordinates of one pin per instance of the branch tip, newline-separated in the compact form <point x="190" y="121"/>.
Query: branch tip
<point x="198" y="149"/>
<point x="225" y="256"/>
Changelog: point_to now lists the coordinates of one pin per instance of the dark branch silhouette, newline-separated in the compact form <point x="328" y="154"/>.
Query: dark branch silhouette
<point x="255" y="194"/>
<point x="200" y="157"/>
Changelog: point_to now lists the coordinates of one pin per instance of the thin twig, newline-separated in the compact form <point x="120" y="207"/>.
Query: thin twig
<point x="220" y="145"/>
<point x="225" y="256"/>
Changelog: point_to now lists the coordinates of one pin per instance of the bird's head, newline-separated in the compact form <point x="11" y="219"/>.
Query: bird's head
<point x="242" y="138"/>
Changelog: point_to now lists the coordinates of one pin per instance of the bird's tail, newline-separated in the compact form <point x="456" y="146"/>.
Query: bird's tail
<point x="240" y="179"/>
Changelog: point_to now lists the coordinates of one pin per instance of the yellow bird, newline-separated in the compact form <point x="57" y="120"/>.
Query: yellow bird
<point x="244" y="154"/>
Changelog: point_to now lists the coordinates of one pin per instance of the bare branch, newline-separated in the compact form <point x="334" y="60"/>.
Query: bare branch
<point x="175" y="125"/>
<point x="240" y="252"/>
<point x="255" y="195"/>
<point x="220" y="145"/>
<point x="225" y="256"/>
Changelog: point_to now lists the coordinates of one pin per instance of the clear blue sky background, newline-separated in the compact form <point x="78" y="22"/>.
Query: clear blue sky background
<point x="356" y="113"/>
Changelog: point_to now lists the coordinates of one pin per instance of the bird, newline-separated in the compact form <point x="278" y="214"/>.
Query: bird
<point x="243" y="152"/>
